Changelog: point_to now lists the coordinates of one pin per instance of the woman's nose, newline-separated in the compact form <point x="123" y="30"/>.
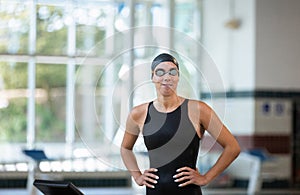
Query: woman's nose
<point x="166" y="77"/>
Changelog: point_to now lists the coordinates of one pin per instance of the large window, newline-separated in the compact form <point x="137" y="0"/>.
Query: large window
<point x="51" y="104"/>
<point x="13" y="102"/>
<point x="51" y="32"/>
<point x="14" y="24"/>
<point x="71" y="70"/>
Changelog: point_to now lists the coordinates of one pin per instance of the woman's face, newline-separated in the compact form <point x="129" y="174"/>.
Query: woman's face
<point x="166" y="77"/>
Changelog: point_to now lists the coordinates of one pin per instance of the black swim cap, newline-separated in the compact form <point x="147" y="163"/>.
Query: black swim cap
<point x="164" y="57"/>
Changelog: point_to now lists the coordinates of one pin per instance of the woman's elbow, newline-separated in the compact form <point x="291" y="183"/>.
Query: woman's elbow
<point x="233" y="149"/>
<point x="124" y="150"/>
<point x="236" y="150"/>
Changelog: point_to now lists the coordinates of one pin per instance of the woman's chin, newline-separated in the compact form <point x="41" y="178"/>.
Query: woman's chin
<point x="167" y="91"/>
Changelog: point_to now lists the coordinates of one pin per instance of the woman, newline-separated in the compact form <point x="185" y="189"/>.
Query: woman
<point x="172" y="127"/>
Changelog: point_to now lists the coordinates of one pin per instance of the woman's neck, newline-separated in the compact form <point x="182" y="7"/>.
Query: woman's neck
<point x="167" y="104"/>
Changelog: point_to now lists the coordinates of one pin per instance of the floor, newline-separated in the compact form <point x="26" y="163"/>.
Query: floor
<point x="130" y="191"/>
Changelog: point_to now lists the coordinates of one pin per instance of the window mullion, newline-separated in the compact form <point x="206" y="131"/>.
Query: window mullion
<point x="70" y="85"/>
<point x="31" y="78"/>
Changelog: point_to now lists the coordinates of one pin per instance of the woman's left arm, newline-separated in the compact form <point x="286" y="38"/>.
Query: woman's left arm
<point x="222" y="135"/>
<point x="231" y="147"/>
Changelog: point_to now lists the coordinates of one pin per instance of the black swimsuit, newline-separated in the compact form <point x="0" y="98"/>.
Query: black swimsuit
<point x="172" y="142"/>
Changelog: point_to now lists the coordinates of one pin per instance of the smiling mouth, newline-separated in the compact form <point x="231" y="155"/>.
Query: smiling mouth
<point x="166" y="85"/>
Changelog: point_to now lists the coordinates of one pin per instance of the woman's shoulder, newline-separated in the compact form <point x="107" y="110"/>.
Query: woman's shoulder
<point x="140" y="108"/>
<point x="197" y="103"/>
<point x="199" y="106"/>
<point x="139" y="111"/>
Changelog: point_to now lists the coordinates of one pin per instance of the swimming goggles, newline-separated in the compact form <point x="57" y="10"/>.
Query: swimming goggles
<point x="162" y="72"/>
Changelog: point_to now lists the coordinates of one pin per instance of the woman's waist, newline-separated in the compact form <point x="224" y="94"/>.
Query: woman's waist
<point x="173" y="165"/>
<point x="171" y="170"/>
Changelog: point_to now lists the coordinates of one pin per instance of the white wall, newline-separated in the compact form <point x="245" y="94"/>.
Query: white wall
<point x="239" y="116"/>
<point x="236" y="113"/>
<point x="263" y="53"/>
<point x="233" y="50"/>
<point x="278" y="44"/>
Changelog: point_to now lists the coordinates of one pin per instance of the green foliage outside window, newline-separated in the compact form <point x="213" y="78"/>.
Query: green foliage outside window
<point x="51" y="39"/>
<point x="13" y="118"/>
<point x="13" y="121"/>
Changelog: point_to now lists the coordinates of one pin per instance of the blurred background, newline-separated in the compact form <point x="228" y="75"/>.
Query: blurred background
<point x="71" y="70"/>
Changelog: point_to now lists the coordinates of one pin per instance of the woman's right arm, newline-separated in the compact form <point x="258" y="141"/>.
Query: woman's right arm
<point x="130" y="136"/>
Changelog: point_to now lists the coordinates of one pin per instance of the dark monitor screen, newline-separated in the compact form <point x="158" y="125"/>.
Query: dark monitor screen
<point x="49" y="187"/>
